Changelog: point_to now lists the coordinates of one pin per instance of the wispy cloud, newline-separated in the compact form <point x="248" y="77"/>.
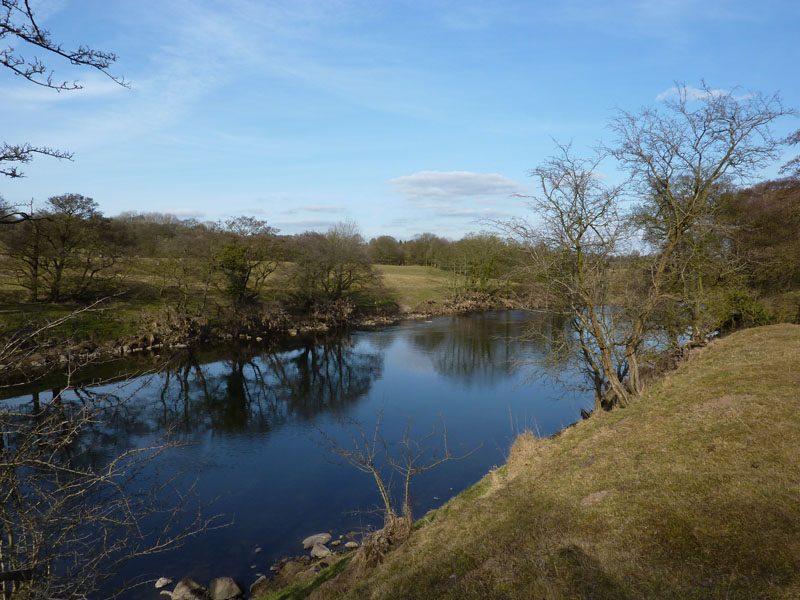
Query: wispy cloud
<point x="692" y="93"/>
<point x="471" y="213"/>
<point x="185" y="213"/>
<point x="324" y="208"/>
<point x="93" y="85"/>
<point x="302" y="225"/>
<point x="453" y="185"/>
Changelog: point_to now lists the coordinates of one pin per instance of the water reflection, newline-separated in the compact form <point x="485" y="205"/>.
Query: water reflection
<point x="477" y="350"/>
<point x="259" y="393"/>
<point x="253" y="416"/>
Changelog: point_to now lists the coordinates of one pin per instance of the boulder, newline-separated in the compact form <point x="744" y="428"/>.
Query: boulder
<point x="320" y="551"/>
<point x="163" y="582"/>
<point x="313" y="540"/>
<point x="351" y="545"/>
<point x="223" y="588"/>
<point x="189" y="589"/>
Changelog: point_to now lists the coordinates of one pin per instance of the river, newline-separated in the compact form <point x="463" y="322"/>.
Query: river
<point x="254" y="424"/>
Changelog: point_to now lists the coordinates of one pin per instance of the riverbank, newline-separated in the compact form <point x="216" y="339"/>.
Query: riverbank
<point x="693" y="492"/>
<point x="43" y="339"/>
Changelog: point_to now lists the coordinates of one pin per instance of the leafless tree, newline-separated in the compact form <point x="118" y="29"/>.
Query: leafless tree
<point x="678" y="158"/>
<point x="371" y="453"/>
<point x="19" y="29"/>
<point x="68" y="518"/>
<point x="333" y="266"/>
<point x="571" y="253"/>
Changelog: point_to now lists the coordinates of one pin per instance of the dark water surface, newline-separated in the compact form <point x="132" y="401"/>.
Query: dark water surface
<point x="255" y="419"/>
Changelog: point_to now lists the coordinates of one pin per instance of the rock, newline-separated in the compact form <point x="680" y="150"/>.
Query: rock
<point x="223" y="588"/>
<point x="257" y="550"/>
<point x="163" y="582"/>
<point x="351" y="546"/>
<point x="320" y="551"/>
<point x="313" y="540"/>
<point x="274" y="569"/>
<point x="260" y="587"/>
<point x="189" y="589"/>
<point x="335" y="543"/>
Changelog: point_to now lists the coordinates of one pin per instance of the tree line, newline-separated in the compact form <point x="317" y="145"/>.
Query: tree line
<point x="68" y="250"/>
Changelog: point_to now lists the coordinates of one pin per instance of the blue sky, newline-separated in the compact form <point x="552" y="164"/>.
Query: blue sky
<point x="403" y="116"/>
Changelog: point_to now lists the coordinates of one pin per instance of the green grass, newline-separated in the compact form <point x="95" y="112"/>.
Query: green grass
<point x="411" y="285"/>
<point x="403" y="287"/>
<point x="303" y="589"/>
<point x="693" y="492"/>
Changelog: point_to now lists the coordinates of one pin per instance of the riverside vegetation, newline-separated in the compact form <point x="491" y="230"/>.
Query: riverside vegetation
<point x="690" y="491"/>
<point x="80" y="287"/>
<point x="693" y="492"/>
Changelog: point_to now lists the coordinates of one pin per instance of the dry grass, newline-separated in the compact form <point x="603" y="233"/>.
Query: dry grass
<point x="694" y="492"/>
<point x="410" y="285"/>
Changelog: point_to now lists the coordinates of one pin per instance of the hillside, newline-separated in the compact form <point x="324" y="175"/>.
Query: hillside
<point x="694" y="492"/>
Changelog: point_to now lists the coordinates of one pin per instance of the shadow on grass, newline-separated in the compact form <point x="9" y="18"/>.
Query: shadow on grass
<point x="583" y="576"/>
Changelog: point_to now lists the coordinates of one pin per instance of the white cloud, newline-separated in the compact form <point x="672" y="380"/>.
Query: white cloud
<point x="185" y="213"/>
<point x="471" y="213"/>
<point x="44" y="10"/>
<point x="454" y="185"/>
<point x="692" y="93"/>
<point x="93" y="85"/>
<point x="304" y="225"/>
<point x="324" y="208"/>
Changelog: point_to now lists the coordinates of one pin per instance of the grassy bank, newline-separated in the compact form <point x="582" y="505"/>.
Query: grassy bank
<point x="404" y="287"/>
<point x="411" y="285"/>
<point x="694" y="492"/>
<point x="121" y="317"/>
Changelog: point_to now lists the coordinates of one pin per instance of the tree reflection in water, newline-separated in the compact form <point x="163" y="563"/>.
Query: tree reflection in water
<point x="261" y="392"/>
<point x="476" y="350"/>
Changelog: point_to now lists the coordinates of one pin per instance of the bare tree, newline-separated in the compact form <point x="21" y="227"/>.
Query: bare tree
<point x="332" y="266"/>
<point x="18" y="24"/>
<point x="248" y="258"/>
<point x="407" y="457"/>
<point x="679" y="158"/>
<point x="678" y="161"/>
<point x="571" y="253"/>
<point x="11" y="214"/>
<point x="69" y="519"/>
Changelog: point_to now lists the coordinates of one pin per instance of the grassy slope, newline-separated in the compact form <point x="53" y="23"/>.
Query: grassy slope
<point x="692" y="493"/>
<point x="410" y="285"/>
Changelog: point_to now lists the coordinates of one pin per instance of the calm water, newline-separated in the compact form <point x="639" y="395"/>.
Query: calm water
<point x="255" y="422"/>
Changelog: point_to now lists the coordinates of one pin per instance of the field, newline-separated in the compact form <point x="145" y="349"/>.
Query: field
<point x="401" y="288"/>
<point x="410" y="285"/>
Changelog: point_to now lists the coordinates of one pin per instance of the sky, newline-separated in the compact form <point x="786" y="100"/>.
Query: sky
<point x="403" y="116"/>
